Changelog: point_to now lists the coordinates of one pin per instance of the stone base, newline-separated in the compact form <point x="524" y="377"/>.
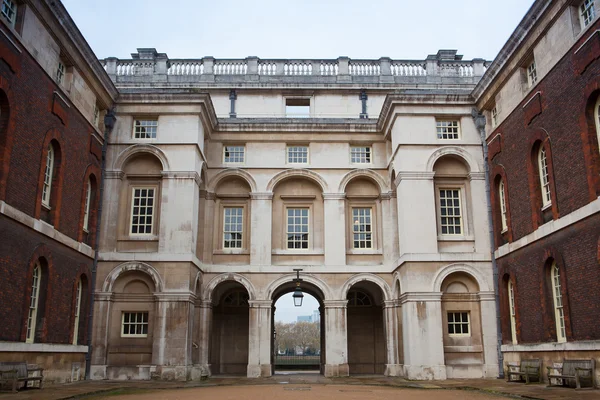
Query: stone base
<point x="200" y="372"/>
<point x="171" y="373"/>
<point x="259" y="370"/>
<point x="425" y="372"/>
<point x="126" y="372"/>
<point x="464" y="371"/>
<point x="98" y="372"/>
<point x="394" y="370"/>
<point x="336" y="370"/>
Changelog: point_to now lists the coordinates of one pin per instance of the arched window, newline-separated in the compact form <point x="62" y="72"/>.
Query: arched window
<point x="502" y="198"/>
<point x="33" y="303"/>
<point x="86" y="212"/>
<point x="544" y="177"/>
<point x="597" y="118"/>
<point x="559" y="314"/>
<point x="77" y="311"/>
<point x="512" y="310"/>
<point x="48" y="175"/>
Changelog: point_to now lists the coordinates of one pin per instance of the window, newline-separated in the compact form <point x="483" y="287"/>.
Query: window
<point x="297" y="108"/>
<point x="86" y="211"/>
<point x="513" y="314"/>
<point x="297" y="228"/>
<point x="597" y="118"/>
<point x="142" y="211"/>
<point x="544" y="177"/>
<point x="357" y="298"/>
<point x="233" y="227"/>
<point x="233" y="154"/>
<point x="450" y="212"/>
<point x="96" y="118"/>
<point x="145" y="128"/>
<point x="495" y="116"/>
<point x="297" y="154"/>
<point x="502" y="198"/>
<point x="77" y="311"/>
<point x="60" y="72"/>
<point x="587" y="12"/>
<point x="33" y="303"/>
<point x="135" y="324"/>
<point x="458" y="324"/>
<point x="360" y="155"/>
<point x="9" y="11"/>
<point x="447" y="129"/>
<point x="362" y="231"/>
<point x="48" y="175"/>
<point x="559" y="314"/>
<point x="531" y="74"/>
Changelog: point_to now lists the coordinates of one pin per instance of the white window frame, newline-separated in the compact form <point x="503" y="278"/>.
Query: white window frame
<point x="586" y="12"/>
<point x="531" y="72"/>
<point x="512" y="310"/>
<point x="450" y="128"/>
<point x="442" y="215"/>
<point x="226" y="231"/>
<point x="597" y="118"/>
<point x="289" y="232"/>
<point x="135" y="323"/>
<point x="77" y="312"/>
<point x="361" y="154"/>
<point x="544" y="174"/>
<point x="295" y="153"/>
<point x="460" y="323"/>
<point x="33" y="303"/>
<point x="48" y="176"/>
<point x="61" y="70"/>
<point x="494" y="113"/>
<point x="503" y="210"/>
<point x="152" y="209"/>
<point x="360" y="228"/>
<point x="145" y="126"/>
<point x="88" y="200"/>
<point x="559" y="313"/>
<point x="9" y="11"/>
<point x="234" y="154"/>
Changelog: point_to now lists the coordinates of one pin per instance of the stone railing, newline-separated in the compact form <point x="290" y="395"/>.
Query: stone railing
<point x="147" y="66"/>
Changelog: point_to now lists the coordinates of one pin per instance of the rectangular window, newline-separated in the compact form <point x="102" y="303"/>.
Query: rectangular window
<point x="86" y="212"/>
<point x="145" y="128"/>
<point x="458" y="324"/>
<point x="494" y="117"/>
<point x="503" y="213"/>
<point x="60" y="73"/>
<point x="134" y="324"/>
<point x="544" y="178"/>
<point x="360" y="155"/>
<point x="450" y="212"/>
<point x="142" y="211"/>
<point x="33" y="304"/>
<point x="362" y="228"/>
<point x="9" y="11"/>
<point x="233" y="154"/>
<point x="447" y="130"/>
<point x="77" y="312"/>
<point x="559" y="312"/>
<point x="233" y="227"/>
<point x="531" y="74"/>
<point x="297" y="228"/>
<point x="297" y="154"/>
<point x="513" y="313"/>
<point x="48" y="175"/>
<point x="297" y="108"/>
<point x="587" y="12"/>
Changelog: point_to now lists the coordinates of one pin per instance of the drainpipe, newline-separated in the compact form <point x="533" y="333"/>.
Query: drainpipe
<point x="480" y="124"/>
<point x="109" y="124"/>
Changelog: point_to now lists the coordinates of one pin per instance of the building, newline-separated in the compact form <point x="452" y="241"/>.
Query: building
<point x="542" y="100"/>
<point x="304" y="318"/>
<point x="53" y="93"/>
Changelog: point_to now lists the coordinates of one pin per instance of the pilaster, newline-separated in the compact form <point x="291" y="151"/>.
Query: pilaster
<point x="336" y="338"/>
<point x="261" y="210"/>
<point x="490" y="334"/>
<point x="335" y="229"/>
<point x="259" y="346"/>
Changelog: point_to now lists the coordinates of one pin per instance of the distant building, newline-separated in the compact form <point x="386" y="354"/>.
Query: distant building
<point x="316" y="316"/>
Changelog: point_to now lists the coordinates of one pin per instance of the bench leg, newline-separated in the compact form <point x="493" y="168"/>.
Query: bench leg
<point x="14" y="385"/>
<point x="526" y="378"/>
<point x="577" y="383"/>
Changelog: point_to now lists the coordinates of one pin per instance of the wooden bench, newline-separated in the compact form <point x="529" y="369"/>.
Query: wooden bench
<point x="528" y="369"/>
<point x="573" y="371"/>
<point x="17" y="372"/>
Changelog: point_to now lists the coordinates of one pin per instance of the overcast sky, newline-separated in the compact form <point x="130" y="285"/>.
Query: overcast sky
<point x="400" y="29"/>
<point x="285" y="311"/>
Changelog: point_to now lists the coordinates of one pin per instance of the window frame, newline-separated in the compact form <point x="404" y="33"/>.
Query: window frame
<point x="154" y="120"/>
<point x="354" y="233"/>
<point x="242" y="236"/>
<point x="142" y="323"/>
<point x="287" y="232"/>
<point x="61" y="72"/>
<point x="14" y="9"/>
<point x="558" y="304"/>
<point x="243" y="152"/>
<point x="48" y="176"/>
<point x="544" y="177"/>
<point x="461" y="206"/>
<point x="440" y="127"/>
<point x="531" y="73"/>
<point x="78" y="293"/>
<point x="34" y="298"/>
<point x="368" y="152"/>
<point x="153" y="215"/>
<point x="86" y="210"/>
<point x="494" y="115"/>
<point x="287" y="154"/>
<point x="512" y="311"/>
<point x="581" y="12"/>
<point x="454" y="323"/>
<point x="503" y="207"/>
<point x="597" y="119"/>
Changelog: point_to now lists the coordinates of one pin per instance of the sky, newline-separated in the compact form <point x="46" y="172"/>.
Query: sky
<point x="285" y="311"/>
<point x="400" y="29"/>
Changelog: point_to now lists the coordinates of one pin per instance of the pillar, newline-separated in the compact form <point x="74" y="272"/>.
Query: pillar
<point x="389" y="221"/>
<point x="102" y="309"/>
<point x="261" y="210"/>
<point x="204" y="331"/>
<point x="478" y="203"/>
<point x="260" y="335"/>
<point x="392" y="365"/>
<point x="489" y="333"/>
<point x="336" y="338"/>
<point x="179" y="191"/>
<point x="335" y="229"/>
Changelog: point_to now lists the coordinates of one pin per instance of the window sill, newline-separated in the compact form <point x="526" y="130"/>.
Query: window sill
<point x="547" y="206"/>
<point x="503" y="231"/>
<point x="365" y="251"/>
<point x="46" y="207"/>
<point x="148" y="238"/>
<point x="298" y="252"/>
<point x="231" y="252"/>
<point x="455" y="238"/>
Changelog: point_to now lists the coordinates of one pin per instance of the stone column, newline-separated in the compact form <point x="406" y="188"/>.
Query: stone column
<point x="385" y="67"/>
<point x="336" y="338"/>
<point x="261" y="210"/>
<point x="110" y="211"/>
<point x="489" y="332"/>
<point x="390" y="228"/>
<point x="478" y="203"/>
<point x="209" y="74"/>
<point x="344" y="70"/>
<point x="100" y="330"/>
<point x="423" y="338"/>
<point x="171" y="343"/>
<point x="335" y="229"/>
<point x="204" y="332"/>
<point x="260" y="335"/>
<point x="392" y="365"/>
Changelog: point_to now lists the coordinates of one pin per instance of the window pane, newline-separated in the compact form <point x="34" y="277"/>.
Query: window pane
<point x="450" y="206"/>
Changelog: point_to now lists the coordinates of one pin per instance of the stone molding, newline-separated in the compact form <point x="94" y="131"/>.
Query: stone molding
<point x="183" y="175"/>
<point x="22" y="347"/>
<point x="414" y="176"/>
<point x="335" y="304"/>
<point x="261" y="195"/>
<point x="584" y="345"/>
<point x="411" y="297"/>
<point x="334" y="196"/>
<point x="260" y="303"/>
<point x="175" y="296"/>
<point x="476" y="176"/>
<point x="114" y="174"/>
<point x="103" y="296"/>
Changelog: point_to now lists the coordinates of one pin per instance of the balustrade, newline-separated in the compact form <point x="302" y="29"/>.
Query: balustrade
<point x="186" y="67"/>
<point x="409" y="68"/>
<point x="230" y="67"/>
<point x="365" y="67"/>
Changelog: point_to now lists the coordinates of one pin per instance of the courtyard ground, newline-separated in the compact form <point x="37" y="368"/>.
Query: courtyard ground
<point x="303" y="386"/>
